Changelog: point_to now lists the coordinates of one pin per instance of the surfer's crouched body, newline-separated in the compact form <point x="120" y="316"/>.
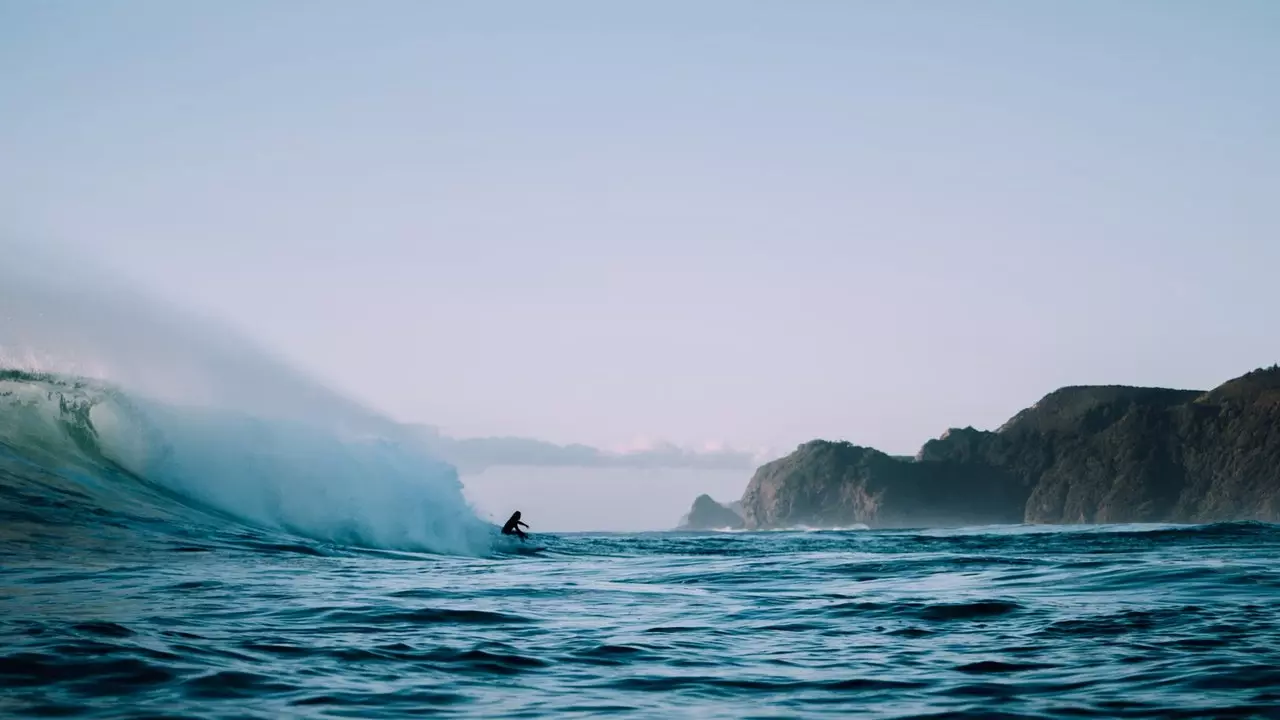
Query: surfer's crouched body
<point x="513" y="526"/>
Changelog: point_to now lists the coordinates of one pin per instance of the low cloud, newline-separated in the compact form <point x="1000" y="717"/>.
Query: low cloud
<point x="471" y="455"/>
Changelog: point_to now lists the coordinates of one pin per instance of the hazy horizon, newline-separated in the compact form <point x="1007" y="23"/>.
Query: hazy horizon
<point x="720" y="225"/>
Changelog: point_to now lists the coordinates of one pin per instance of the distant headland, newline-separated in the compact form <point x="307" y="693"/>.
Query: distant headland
<point x="1092" y="454"/>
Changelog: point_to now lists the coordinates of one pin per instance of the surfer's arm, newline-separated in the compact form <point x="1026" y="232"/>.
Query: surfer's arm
<point x="521" y="522"/>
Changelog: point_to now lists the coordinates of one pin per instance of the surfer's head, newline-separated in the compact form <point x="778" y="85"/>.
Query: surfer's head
<point x="516" y="516"/>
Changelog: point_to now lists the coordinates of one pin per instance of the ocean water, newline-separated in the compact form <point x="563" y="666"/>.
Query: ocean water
<point x="128" y="590"/>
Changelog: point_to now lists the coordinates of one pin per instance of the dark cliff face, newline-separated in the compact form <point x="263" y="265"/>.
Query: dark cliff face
<point x="1080" y="455"/>
<point x="826" y="484"/>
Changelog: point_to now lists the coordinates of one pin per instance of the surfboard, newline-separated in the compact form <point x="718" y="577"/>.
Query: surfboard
<point x="510" y="545"/>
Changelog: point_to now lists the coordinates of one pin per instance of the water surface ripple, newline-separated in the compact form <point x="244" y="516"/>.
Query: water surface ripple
<point x="1116" y="622"/>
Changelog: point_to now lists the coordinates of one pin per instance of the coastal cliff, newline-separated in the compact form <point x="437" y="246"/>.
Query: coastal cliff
<point x="1097" y="454"/>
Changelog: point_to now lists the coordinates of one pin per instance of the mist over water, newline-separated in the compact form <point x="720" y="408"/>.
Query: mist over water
<point x="186" y="404"/>
<point x="64" y="316"/>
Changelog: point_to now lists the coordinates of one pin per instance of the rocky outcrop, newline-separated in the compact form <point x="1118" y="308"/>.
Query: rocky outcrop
<point x="829" y="484"/>
<point x="1101" y="454"/>
<point x="707" y="514"/>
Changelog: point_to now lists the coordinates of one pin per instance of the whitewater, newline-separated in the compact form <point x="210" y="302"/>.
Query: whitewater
<point x="132" y="392"/>
<point x="190" y="528"/>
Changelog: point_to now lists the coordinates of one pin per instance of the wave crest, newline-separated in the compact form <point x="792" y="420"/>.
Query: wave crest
<point x="366" y="490"/>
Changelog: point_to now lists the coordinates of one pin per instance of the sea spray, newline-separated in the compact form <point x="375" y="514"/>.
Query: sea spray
<point x="190" y="406"/>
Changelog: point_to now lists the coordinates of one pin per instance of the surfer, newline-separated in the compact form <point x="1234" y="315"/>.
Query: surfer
<point x="513" y="526"/>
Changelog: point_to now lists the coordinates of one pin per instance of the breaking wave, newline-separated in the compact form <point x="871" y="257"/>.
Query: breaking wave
<point x="111" y="402"/>
<point x="126" y="453"/>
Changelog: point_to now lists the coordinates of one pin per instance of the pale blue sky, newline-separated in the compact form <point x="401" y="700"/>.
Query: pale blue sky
<point x="756" y="222"/>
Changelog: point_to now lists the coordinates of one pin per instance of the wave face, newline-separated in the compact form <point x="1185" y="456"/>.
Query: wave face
<point x="114" y="452"/>
<point x="113" y="402"/>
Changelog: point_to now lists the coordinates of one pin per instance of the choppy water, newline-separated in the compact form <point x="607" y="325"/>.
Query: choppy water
<point x="229" y="571"/>
<point x="1015" y="622"/>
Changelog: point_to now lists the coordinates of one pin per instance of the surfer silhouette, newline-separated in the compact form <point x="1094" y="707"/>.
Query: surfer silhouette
<point x="513" y="526"/>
